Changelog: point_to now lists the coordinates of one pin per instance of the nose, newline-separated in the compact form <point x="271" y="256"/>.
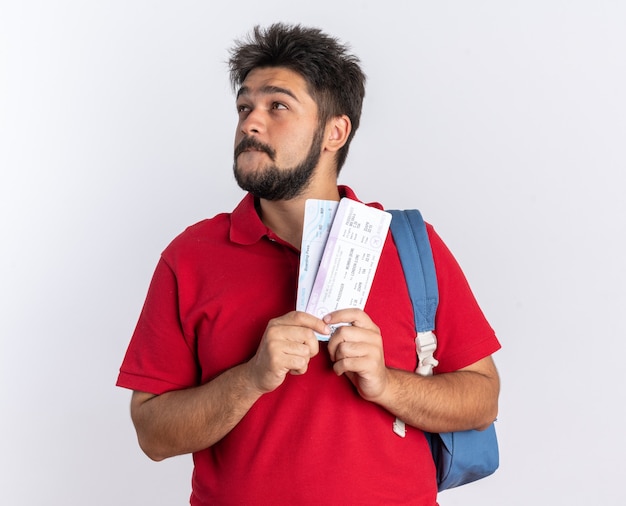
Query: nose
<point x="252" y="122"/>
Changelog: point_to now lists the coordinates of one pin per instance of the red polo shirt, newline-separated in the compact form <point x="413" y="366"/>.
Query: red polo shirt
<point x="313" y="440"/>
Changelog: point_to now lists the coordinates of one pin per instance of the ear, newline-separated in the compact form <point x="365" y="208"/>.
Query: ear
<point x="337" y="131"/>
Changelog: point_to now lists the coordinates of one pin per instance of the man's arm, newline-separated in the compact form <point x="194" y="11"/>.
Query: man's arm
<point x="461" y="400"/>
<point x="185" y="421"/>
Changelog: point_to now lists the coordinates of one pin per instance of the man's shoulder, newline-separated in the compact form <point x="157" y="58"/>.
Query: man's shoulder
<point x="217" y="222"/>
<point x="208" y="232"/>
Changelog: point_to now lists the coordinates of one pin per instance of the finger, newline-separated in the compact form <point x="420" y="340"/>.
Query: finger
<point x="278" y="356"/>
<point x="360" y="328"/>
<point x="355" y="317"/>
<point x="354" y="366"/>
<point x="295" y="356"/>
<point x="354" y="341"/>
<point x="291" y="340"/>
<point x="344" y="350"/>
<point x="302" y="319"/>
<point x="299" y="327"/>
<point x="365" y="366"/>
<point x="297" y="365"/>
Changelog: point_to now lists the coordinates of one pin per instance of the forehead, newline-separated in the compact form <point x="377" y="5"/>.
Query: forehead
<point x="266" y="80"/>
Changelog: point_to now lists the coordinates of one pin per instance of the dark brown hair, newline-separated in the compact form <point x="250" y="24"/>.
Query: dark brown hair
<point x="333" y="75"/>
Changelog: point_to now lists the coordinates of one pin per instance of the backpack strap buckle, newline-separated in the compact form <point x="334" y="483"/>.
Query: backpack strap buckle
<point x="425" y="345"/>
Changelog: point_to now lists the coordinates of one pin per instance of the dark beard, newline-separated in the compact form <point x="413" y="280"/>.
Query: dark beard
<point x="274" y="183"/>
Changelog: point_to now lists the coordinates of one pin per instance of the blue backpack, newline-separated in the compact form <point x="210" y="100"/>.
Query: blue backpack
<point x="460" y="457"/>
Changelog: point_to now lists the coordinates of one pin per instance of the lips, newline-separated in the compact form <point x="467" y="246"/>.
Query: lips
<point x="250" y="144"/>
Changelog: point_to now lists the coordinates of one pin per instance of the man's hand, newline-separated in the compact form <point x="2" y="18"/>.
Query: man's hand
<point x="192" y="419"/>
<point x="460" y="400"/>
<point x="288" y="344"/>
<point x="357" y="352"/>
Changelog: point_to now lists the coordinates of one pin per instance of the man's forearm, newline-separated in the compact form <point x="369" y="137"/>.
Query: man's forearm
<point x="462" y="400"/>
<point x="185" y="421"/>
<point x="193" y="419"/>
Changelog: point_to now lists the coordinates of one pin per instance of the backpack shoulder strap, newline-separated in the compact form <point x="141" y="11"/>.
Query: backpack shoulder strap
<point x="411" y="238"/>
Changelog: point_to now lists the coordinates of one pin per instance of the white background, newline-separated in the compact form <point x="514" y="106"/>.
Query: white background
<point x="504" y="122"/>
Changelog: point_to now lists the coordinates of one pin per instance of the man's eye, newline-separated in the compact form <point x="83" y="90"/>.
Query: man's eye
<point x="278" y="105"/>
<point x="242" y="108"/>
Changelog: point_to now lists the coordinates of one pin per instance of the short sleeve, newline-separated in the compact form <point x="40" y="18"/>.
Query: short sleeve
<point x="463" y="333"/>
<point x="160" y="357"/>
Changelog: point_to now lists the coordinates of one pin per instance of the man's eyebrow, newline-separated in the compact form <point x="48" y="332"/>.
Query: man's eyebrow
<point x="268" y="90"/>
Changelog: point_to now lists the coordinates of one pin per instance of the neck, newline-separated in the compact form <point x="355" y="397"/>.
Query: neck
<point x="286" y="217"/>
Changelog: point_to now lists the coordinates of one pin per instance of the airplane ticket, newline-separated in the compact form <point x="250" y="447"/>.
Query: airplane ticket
<point x="350" y="258"/>
<point x="318" y="219"/>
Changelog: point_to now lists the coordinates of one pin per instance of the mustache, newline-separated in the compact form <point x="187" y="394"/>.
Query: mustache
<point x="252" y="143"/>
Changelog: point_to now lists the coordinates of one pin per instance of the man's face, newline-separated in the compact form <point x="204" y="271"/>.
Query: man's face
<point x="278" y="140"/>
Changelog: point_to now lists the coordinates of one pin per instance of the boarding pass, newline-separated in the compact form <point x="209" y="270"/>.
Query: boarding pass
<point x="318" y="220"/>
<point x="349" y="259"/>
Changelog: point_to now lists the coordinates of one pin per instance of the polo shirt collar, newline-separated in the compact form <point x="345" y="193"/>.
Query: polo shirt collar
<point x="245" y="225"/>
<point x="247" y="228"/>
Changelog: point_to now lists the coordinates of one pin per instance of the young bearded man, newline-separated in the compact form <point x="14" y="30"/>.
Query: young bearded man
<point x="222" y="366"/>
